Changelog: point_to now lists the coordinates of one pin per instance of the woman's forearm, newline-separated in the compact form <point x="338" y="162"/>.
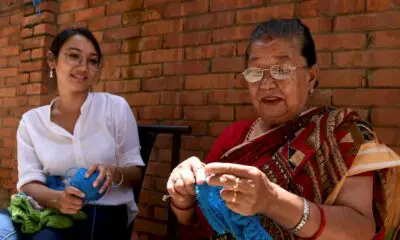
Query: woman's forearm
<point x="45" y="196"/>
<point x="341" y="222"/>
<point x="132" y="176"/>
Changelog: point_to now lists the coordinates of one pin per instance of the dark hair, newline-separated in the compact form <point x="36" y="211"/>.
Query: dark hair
<point x="63" y="37"/>
<point x="284" y="28"/>
<point x="66" y="34"/>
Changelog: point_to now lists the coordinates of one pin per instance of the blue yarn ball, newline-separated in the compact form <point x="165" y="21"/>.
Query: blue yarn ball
<point x="86" y="184"/>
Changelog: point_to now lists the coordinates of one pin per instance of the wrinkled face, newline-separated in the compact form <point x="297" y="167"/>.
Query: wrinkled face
<point x="77" y="66"/>
<point x="280" y="100"/>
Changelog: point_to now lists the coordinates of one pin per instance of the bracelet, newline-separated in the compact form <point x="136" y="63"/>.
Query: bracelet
<point x="304" y="218"/>
<point x="321" y="226"/>
<point x="185" y="208"/>
<point x="122" y="178"/>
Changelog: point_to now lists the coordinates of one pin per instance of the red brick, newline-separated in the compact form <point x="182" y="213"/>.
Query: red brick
<point x="373" y="58"/>
<point x="342" y="78"/>
<point x="233" y="33"/>
<point x="162" y="83"/>
<point x="123" y="6"/>
<point x="161" y="27"/>
<point x="197" y="143"/>
<point x="236" y="64"/>
<point x="4" y="21"/>
<point x="140" y="16"/>
<point x="389" y="136"/>
<point x="140" y="44"/>
<point x="45" y="17"/>
<point x="14" y="40"/>
<point x="98" y="36"/>
<point x="209" y="81"/>
<point x="186" y="8"/>
<point x="161" y="112"/>
<point x="210" y="51"/>
<point x="4" y="41"/>
<point x="366" y="97"/>
<point x="370" y="21"/>
<point x="343" y="41"/>
<point x="8" y="72"/>
<point x="158" y="169"/>
<point x="246" y="112"/>
<point x="32" y="66"/>
<point x="15" y="101"/>
<point x="316" y="8"/>
<point x="384" y="78"/>
<point x="188" y="67"/>
<point x="162" y="55"/>
<point x="228" y="97"/>
<point x="26" y="32"/>
<point x="37" y="76"/>
<point x="141" y="71"/>
<point x="262" y="14"/>
<point x="15" y="19"/>
<point x="111" y="73"/>
<point x="211" y="20"/>
<point x="89" y="13"/>
<point x="220" y="5"/>
<point x="211" y="113"/>
<point x="104" y="23"/>
<point x="378" y="5"/>
<point x="36" y="42"/>
<point x="72" y="5"/>
<point x="184" y="98"/>
<point x="161" y="213"/>
<point x="52" y="6"/>
<point x="121" y="33"/>
<point x="216" y="128"/>
<point x="49" y="29"/>
<point x="386" y="116"/>
<point x="110" y="48"/>
<point x="156" y="3"/>
<point x="23" y="77"/>
<point x="3" y="62"/>
<point x="122" y="86"/>
<point x="9" y="51"/>
<point x="199" y="128"/>
<point x="9" y="31"/>
<point x="13" y="61"/>
<point x="8" y="92"/>
<point x="321" y="97"/>
<point x="36" y="88"/>
<point x="319" y="24"/>
<point x="154" y="227"/>
<point x="143" y="99"/>
<point x="324" y="59"/>
<point x="65" y="18"/>
<point x="121" y="60"/>
<point x="386" y="38"/>
<point x="187" y="39"/>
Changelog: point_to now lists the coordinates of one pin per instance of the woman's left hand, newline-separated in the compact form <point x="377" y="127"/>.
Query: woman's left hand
<point x="106" y="172"/>
<point x="246" y="189"/>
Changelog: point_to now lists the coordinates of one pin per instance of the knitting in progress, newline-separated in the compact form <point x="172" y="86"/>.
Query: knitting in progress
<point x="223" y="220"/>
<point x="33" y="218"/>
<point x="86" y="184"/>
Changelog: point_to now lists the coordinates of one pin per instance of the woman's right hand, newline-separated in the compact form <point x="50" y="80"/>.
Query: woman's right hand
<point x="181" y="183"/>
<point x="70" y="200"/>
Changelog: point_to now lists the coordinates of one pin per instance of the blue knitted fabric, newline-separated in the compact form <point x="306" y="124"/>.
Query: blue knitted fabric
<point x="80" y="182"/>
<point x="223" y="220"/>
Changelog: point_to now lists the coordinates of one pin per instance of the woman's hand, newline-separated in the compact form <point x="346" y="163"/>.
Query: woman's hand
<point x="106" y="172"/>
<point x="246" y="190"/>
<point x="70" y="200"/>
<point x="182" y="181"/>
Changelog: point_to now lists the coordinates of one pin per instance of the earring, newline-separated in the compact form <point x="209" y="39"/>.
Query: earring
<point x="311" y="91"/>
<point x="51" y="73"/>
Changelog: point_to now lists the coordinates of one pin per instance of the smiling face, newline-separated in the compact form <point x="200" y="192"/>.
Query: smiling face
<point x="279" y="101"/>
<point x="77" y="65"/>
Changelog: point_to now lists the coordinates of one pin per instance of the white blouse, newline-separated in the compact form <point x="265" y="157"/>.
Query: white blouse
<point x="105" y="133"/>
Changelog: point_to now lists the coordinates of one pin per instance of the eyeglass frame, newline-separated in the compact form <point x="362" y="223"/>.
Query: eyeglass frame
<point x="67" y="55"/>
<point x="292" y="68"/>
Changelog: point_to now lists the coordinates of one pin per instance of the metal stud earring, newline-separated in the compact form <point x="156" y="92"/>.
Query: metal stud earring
<point x="51" y="73"/>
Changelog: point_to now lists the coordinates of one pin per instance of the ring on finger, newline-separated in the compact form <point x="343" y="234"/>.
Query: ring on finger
<point x="236" y="186"/>
<point x="234" y="196"/>
<point x="108" y="174"/>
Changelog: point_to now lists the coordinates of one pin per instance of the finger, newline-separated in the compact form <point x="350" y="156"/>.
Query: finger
<point x="74" y="191"/>
<point x="172" y="192"/>
<point x="106" y="185"/>
<point x="101" y="176"/>
<point x="238" y="170"/>
<point x="90" y="171"/>
<point x="198" y="169"/>
<point x="179" y="186"/>
<point x="238" y="208"/>
<point x="231" y="196"/>
<point x="74" y="203"/>
<point x="69" y="211"/>
<point x="231" y="182"/>
<point x="189" y="180"/>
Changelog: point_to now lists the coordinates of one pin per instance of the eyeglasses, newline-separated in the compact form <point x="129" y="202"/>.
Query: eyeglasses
<point x="76" y="59"/>
<point x="278" y="72"/>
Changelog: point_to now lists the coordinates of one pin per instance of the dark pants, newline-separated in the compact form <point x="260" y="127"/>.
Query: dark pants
<point x="103" y="222"/>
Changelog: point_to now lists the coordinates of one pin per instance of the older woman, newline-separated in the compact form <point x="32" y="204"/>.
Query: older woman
<point x="313" y="173"/>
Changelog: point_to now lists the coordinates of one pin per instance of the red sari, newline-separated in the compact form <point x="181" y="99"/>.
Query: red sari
<point x="308" y="157"/>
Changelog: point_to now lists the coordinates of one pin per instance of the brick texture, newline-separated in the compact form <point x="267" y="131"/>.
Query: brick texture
<point x="179" y="62"/>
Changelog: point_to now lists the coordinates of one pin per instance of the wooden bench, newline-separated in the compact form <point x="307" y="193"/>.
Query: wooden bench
<point x="147" y="137"/>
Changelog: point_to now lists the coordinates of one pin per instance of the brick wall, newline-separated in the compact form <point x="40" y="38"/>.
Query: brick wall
<point x="177" y="62"/>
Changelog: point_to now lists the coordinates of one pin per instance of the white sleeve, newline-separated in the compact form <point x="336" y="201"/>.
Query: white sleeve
<point x="128" y="145"/>
<point x="29" y="166"/>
